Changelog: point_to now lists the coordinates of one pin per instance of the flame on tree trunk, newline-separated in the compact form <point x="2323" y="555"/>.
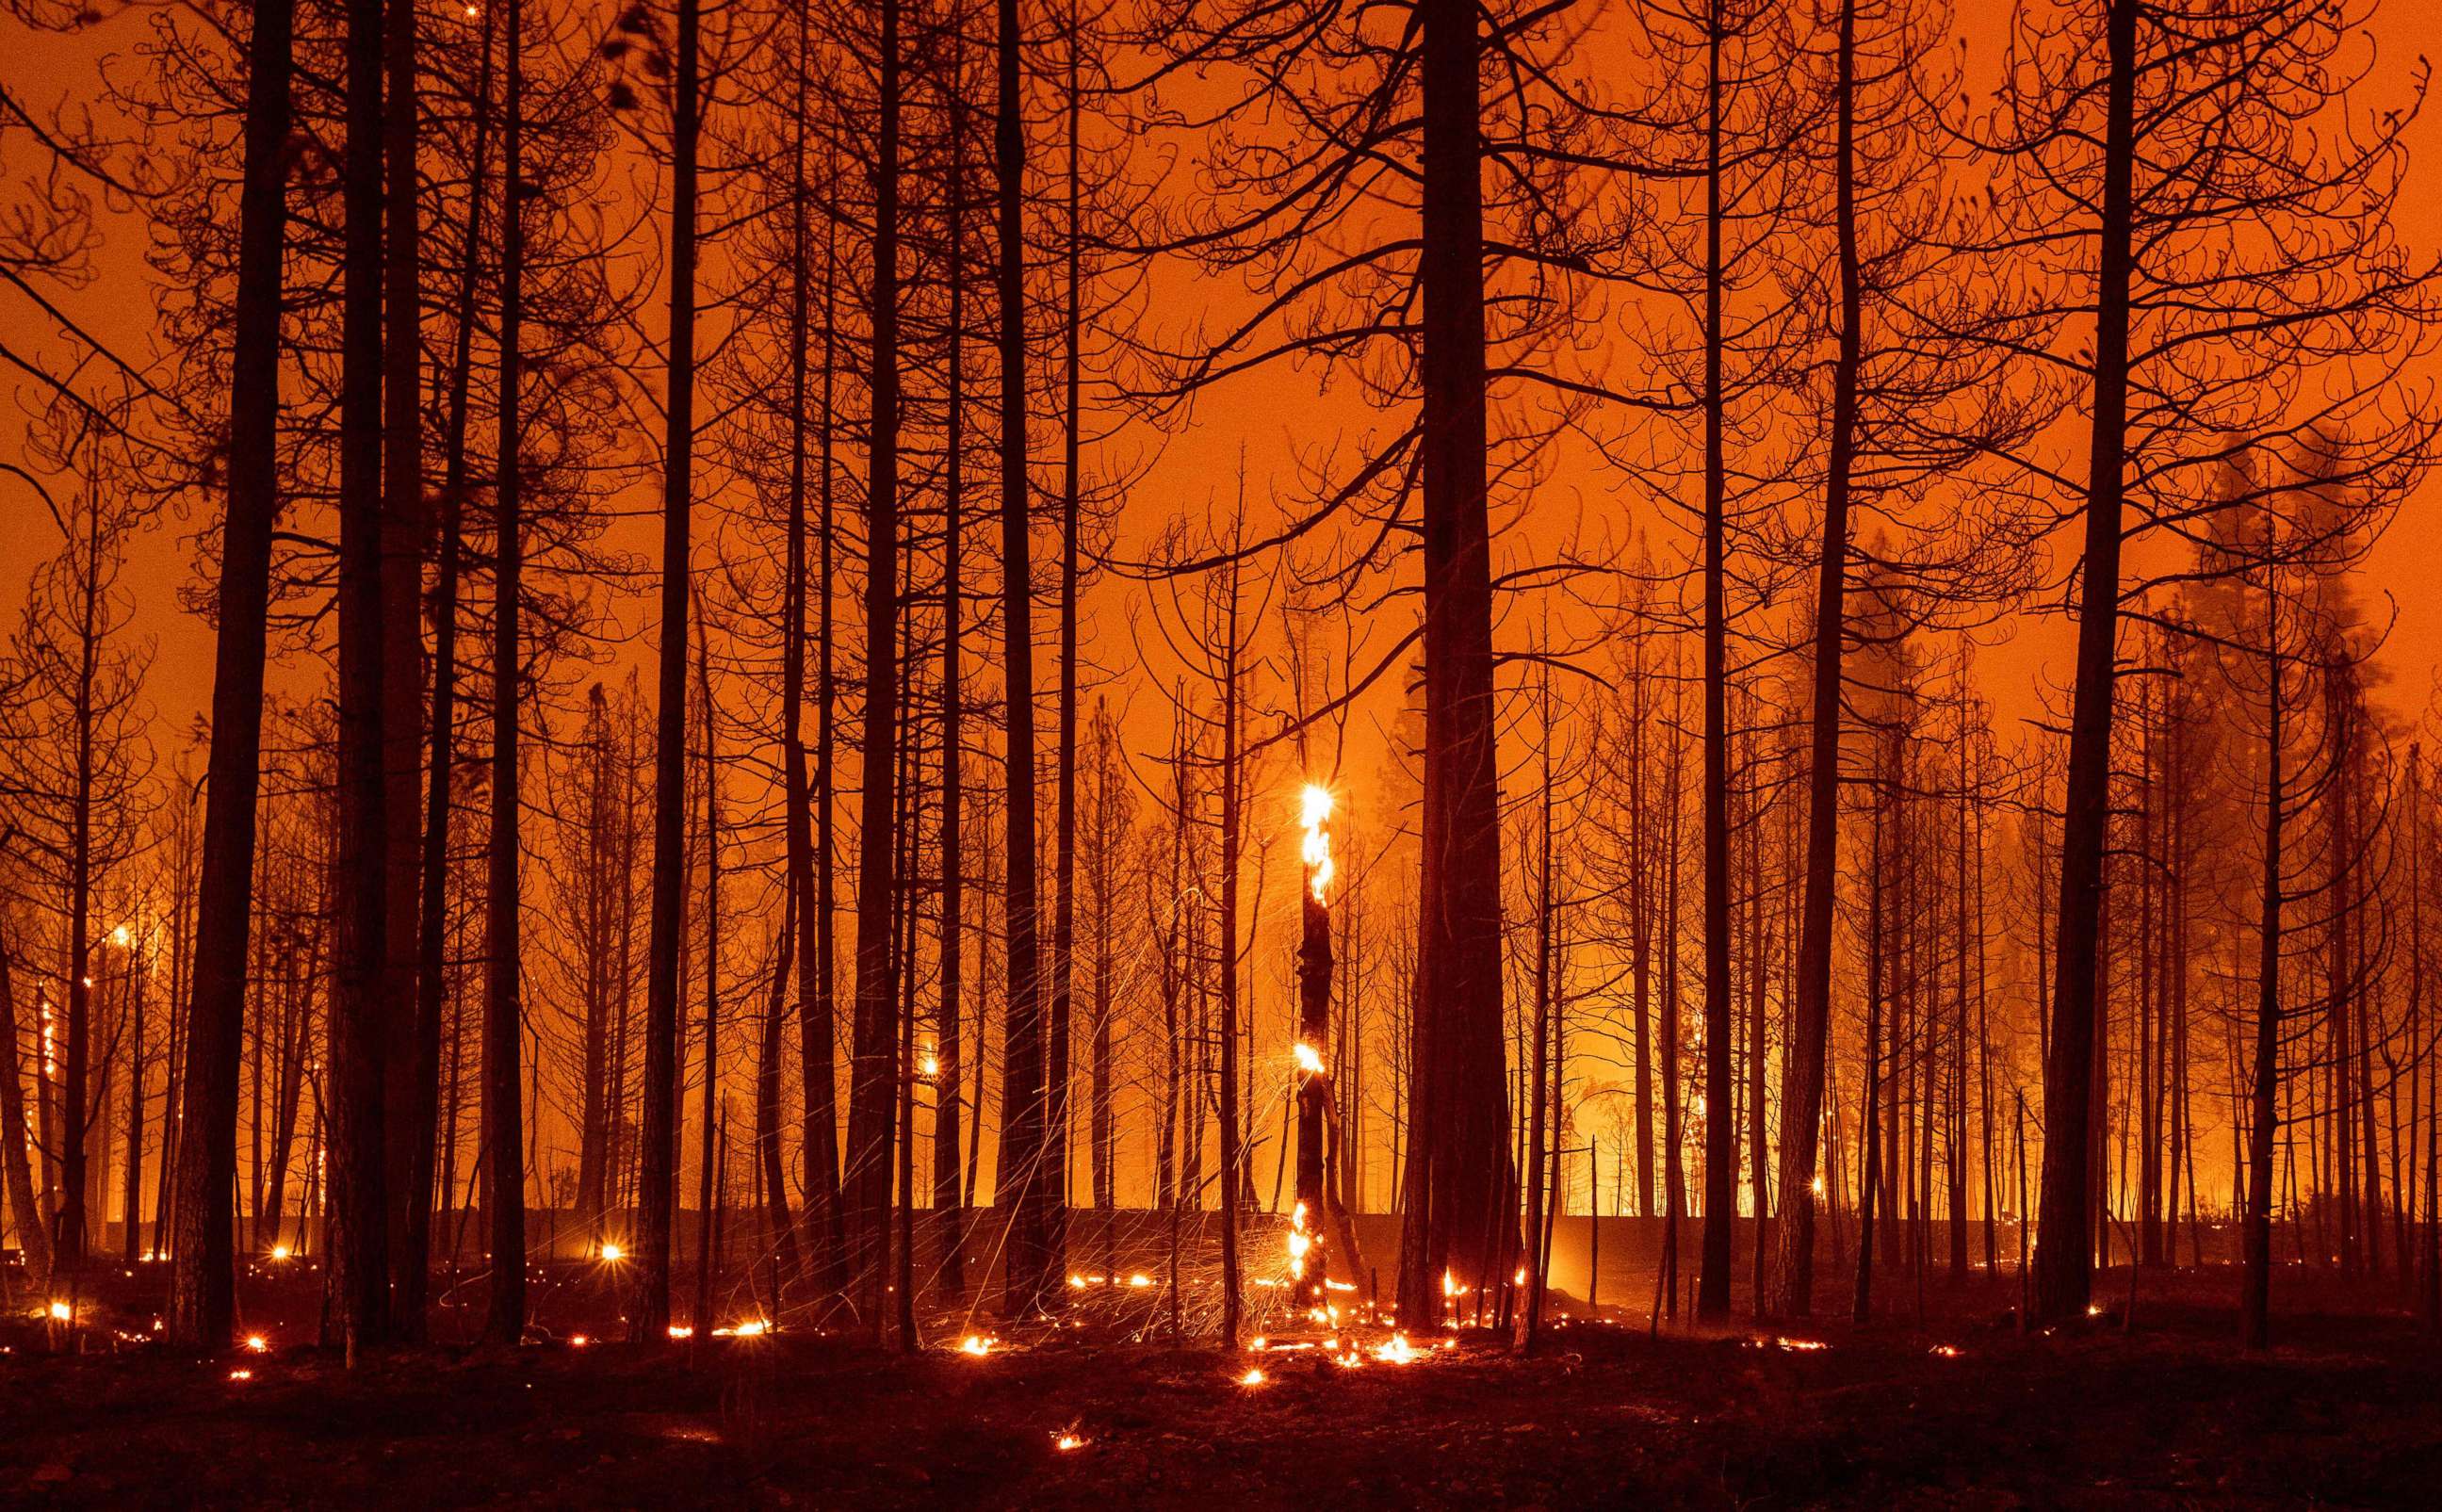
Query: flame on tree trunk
<point x="1310" y="1267"/>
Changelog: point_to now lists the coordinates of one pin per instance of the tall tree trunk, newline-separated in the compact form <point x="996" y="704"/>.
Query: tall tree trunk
<point x="711" y="1101"/>
<point x="131" y="1189"/>
<point x="79" y="1106"/>
<point x="1022" y="1070"/>
<point x="1102" y="1131"/>
<point x="1234" y="1160"/>
<point x="648" y="1316"/>
<point x="1721" y="1130"/>
<point x="413" y="1094"/>
<point x="949" y="1209"/>
<point x="32" y="1225"/>
<point x="2256" y="1290"/>
<point x="1308" y="1254"/>
<point x="1064" y="920"/>
<point x="798" y="826"/>
<point x="1869" y="1176"/>
<point x="1787" y="1285"/>
<point x="872" y="1078"/>
<point x="817" y="1007"/>
<point x="431" y="967"/>
<point x="1541" y="1097"/>
<point x="2064" y="1255"/>
<point x="1459" y="1217"/>
<point x="504" y="957"/>
<point x="1640" y="925"/>
<point x="355" y="1092"/>
<point x="779" y="1229"/>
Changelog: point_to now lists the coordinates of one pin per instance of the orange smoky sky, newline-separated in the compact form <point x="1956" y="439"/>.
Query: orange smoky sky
<point x="1263" y="421"/>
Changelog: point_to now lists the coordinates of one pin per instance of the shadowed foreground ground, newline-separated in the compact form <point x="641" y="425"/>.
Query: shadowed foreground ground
<point x="2169" y="1414"/>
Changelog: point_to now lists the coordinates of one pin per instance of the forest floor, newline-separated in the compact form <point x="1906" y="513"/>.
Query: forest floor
<point x="1955" y="1409"/>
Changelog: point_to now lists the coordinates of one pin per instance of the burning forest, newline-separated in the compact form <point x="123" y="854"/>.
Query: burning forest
<point x="1179" y="752"/>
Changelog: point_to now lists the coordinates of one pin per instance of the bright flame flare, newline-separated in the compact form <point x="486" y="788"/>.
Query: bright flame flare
<point x="256" y="1344"/>
<point x="1315" y="808"/>
<point x="612" y="1252"/>
<point x="1253" y="1377"/>
<point x="1309" y="1060"/>
<point x="975" y="1344"/>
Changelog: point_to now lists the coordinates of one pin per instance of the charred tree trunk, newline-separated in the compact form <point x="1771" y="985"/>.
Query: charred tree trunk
<point x="649" y="1316"/>
<point x="358" y="1249"/>
<point x="950" y="1210"/>
<point x="817" y="1007"/>
<point x="1064" y="917"/>
<point x="431" y="965"/>
<point x="202" y="1277"/>
<point x="1022" y="1069"/>
<point x="1540" y="1097"/>
<point x="2256" y="1288"/>
<point x="797" y="823"/>
<point x="412" y="1093"/>
<point x="872" y="1081"/>
<point x="1720" y="1129"/>
<point x="1308" y="1255"/>
<point x="2064" y="1257"/>
<point x="503" y="1118"/>
<point x="25" y="1212"/>
<point x="1458" y="1214"/>
<point x="1787" y="1288"/>
<point x="709" y="1152"/>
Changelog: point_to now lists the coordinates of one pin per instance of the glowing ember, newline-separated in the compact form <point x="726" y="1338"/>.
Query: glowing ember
<point x="62" y="1312"/>
<point x="612" y="1252"/>
<point x="752" y="1328"/>
<point x="1067" y="1441"/>
<point x="241" y="1375"/>
<point x="280" y="1251"/>
<point x="1398" y="1351"/>
<point x="1315" y="808"/>
<point x="577" y="1341"/>
<point x="256" y="1343"/>
<point x="1253" y="1377"/>
<point x="1140" y="1280"/>
<point x="1818" y="1185"/>
<point x="682" y="1331"/>
<point x="1946" y="1351"/>
<point x="975" y="1344"/>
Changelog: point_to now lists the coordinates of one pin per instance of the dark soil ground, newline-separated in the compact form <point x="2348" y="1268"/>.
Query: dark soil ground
<point x="1957" y="1411"/>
